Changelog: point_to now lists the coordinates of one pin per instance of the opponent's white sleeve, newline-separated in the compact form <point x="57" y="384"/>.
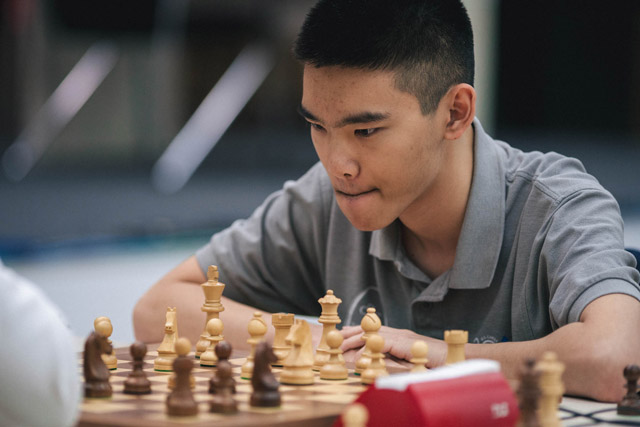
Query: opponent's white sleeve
<point x="39" y="380"/>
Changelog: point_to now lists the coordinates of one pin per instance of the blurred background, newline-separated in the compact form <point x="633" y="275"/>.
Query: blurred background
<point x="131" y="131"/>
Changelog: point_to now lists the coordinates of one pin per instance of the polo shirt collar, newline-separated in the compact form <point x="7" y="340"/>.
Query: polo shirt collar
<point x="482" y="229"/>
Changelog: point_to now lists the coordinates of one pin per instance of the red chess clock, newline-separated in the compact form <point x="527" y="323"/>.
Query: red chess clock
<point x="470" y="393"/>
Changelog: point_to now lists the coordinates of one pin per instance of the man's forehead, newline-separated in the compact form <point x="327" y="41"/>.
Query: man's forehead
<point x="352" y="89"/>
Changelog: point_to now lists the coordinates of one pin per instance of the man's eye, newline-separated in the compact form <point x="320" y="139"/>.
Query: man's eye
<point x="315" y="126"/>
<point x="365" y="132"/>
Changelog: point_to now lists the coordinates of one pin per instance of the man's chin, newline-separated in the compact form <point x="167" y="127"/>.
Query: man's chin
<point x="364" y="217"/>
<point x="368" y="224"/>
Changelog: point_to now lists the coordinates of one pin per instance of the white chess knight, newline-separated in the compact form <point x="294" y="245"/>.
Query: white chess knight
<point x="299" y="361"/>
<point x="167" y="350"/>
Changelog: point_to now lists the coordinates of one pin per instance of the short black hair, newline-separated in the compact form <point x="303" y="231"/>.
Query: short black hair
<point x="427" y="43"/>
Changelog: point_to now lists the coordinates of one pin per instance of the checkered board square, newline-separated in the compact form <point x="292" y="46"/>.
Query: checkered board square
<point x="313" y="405"/>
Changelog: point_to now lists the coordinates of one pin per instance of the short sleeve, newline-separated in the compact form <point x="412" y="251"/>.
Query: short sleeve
<point x="583" y="254"/>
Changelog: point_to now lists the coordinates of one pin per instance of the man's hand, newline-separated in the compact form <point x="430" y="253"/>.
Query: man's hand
<point x="397" y="343"/>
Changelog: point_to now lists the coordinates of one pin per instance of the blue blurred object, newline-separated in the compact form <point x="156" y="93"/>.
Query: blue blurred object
<point x="635" y="253"/>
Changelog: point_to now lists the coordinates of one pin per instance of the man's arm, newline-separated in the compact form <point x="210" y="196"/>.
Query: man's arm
<point x="180" y="288"/>
<point x="595" y="350"/>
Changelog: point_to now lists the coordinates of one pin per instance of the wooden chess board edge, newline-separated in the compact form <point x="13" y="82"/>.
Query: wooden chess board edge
<point x="99" y="420"/>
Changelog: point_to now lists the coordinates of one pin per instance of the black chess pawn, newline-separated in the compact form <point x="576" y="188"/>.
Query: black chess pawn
<point x="630" y="403"/>
<point x="528" y="394"/>
<point x="180" y="401"/>
<point x="223" y="352"/>
<point x="223" y="401"/>
<point x="265" y="385"/>
<point x="137" y="381"/>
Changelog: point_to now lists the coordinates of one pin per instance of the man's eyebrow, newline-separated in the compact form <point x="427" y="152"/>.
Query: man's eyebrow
<point x="357" y="118"/>
<point x="306" y="113"/>
<point x="364" y="117"/>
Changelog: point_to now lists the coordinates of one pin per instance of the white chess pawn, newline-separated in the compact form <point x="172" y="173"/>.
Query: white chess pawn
<point x="455" y="339"/>
<point x="183" y="348"/>
<point x="355" y="415"/>
<point x="103" y="327"/>
<point x="551" y="388"/>
<point x="334" y="368"/>
<point x="370" y="324"/>
<point x="257" y="329"/>
<point x="419" y="350"/>
<point x="214" y="329"/>
<point x="377" y="367"/>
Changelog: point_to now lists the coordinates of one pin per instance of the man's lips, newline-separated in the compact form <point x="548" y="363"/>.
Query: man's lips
<point x="354" y="194"/>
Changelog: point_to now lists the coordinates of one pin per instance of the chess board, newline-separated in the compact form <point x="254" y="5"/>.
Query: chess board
<point x="581" y="412"/>
<point x="311" y="405"/>
<point x="314" y="405"/>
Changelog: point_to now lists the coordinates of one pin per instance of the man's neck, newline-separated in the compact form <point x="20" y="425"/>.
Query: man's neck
<point x="431" y="229"/>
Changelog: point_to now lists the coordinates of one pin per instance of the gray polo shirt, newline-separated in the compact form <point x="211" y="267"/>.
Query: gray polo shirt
<point x="541" y="239"/>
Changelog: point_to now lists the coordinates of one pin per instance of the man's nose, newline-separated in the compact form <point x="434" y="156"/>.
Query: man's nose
<point x="342" y="162"/>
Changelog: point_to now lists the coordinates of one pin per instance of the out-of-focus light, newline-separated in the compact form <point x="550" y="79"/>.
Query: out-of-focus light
<point x="212" y="118"/>
<point x="63" y="104"/>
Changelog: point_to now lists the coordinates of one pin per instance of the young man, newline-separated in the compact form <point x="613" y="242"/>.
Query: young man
<point x="415" y="210"/>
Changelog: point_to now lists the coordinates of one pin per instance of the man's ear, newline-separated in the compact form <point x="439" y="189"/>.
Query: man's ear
<point x="460" y="102"/>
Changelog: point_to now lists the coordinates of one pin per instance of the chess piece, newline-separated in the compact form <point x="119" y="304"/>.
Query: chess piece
<point x="137" y="381"/>
<point x="180" y="401"/>
<point x="171" y="382"/>
<point x="329" y="319"/>
<point x="223" y="401"/>
<point x="528" y="394"/>
<point x="376" y="367"/>
<point x="551" y="387"/>
<point x="102" y="325"/>
<point x="265" y="386"/>
<point x="355" y="415"/>
<point x="630" y="403"/>
<point x="370" y="324"/>
<point x="455" y="339"/>
<point x="297" y="366"/>
<point x="100" y="319"/>
<point x="334" y="368"/>
<point x="419" y="350"/>
<point x="167" y="349"/>
<point x="96" y="374"/>
<point x="282" y="323"/>
<point x="223" y="352"/>
<point x="214" y="329"/>
<point x="212" y="290"/>
<point x="257" y="329"/>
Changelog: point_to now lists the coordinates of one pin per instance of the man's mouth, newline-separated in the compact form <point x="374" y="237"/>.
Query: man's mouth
<point x="354" y="195"/>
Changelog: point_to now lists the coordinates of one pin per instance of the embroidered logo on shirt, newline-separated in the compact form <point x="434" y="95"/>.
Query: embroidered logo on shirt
<point x="358" y="308"/>
<point x="489" y="339"/>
